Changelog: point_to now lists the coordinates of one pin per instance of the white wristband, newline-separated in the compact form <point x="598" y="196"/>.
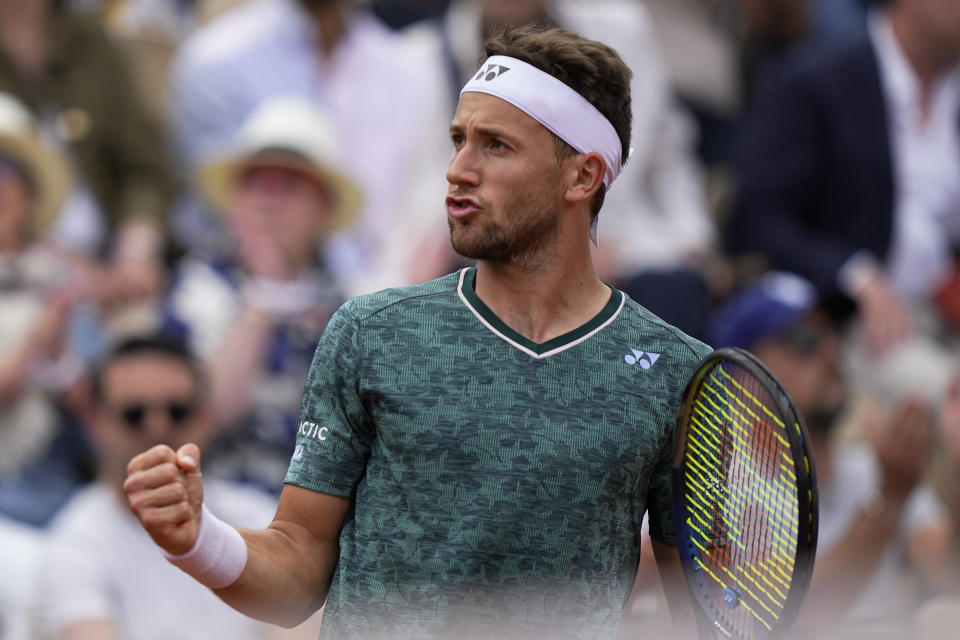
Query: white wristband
<point x="219" y="555"/>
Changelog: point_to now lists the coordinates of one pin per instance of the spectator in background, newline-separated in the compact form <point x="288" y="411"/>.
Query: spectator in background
<point x="940" y="617"/>
<point x="774" y="29"/>
<point x="75" y="81"/>
<point x="882" y="531"/>
<point x="386" y="110"/>
<point x="41" y="451"/>
<point x="148" y="33"/>
<point x="850" y="176"/>
<point x="257" y="313"/>
<point x="701" y="42"/>
<point x="655" y="235"/>
<point x="839" y="20"/>
<point x="102" y="576"/>
<point x="402" y="13"/>
<point x="21" y="556"/>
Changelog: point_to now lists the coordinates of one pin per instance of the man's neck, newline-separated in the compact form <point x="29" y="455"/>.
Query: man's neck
<point x="544" y="298"/>
<point x="928" y="61"/>
<point x="331" y="25"/>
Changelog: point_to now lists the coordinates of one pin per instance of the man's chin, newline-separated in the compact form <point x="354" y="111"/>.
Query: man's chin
<point x="465" y="243"/>
<point x="468" y="251"/>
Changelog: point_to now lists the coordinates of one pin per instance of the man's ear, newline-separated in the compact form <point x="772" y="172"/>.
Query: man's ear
<point x="590" y="169"/>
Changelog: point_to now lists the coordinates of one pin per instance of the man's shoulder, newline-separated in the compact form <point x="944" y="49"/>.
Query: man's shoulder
<point x="843" y="65"/>
<point x="402" y="298"/>
<point x="686" y="348"/>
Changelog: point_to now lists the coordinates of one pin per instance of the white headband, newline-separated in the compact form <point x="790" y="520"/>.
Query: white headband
<point x="553" y="104"/>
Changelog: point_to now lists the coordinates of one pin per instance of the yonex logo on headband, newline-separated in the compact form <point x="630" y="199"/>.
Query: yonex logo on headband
<point x="492" y="72"/>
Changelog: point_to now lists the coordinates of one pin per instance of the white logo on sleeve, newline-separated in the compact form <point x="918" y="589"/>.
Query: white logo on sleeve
<point x="643" y="358"/>
<point x="313" y="430"/>
<point x="298" y="452"/>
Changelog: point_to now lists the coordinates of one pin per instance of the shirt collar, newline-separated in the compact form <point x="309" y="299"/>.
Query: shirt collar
<point x="900" y="82"/>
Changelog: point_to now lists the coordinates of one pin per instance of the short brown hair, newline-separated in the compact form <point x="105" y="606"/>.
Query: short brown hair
<point x="590" y="68"/>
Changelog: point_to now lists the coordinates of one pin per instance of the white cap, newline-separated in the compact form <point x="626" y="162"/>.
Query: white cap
<point x="45" y="167"/>
<point x="285" y="132"/>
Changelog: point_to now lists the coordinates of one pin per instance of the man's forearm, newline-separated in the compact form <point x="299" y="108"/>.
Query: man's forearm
<point x="286" y="577"/>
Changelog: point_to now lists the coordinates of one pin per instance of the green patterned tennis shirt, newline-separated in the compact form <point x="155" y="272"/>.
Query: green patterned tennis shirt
<point x="498" y="484"/>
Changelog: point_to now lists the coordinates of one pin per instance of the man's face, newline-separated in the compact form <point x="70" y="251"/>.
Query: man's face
<point x="16" y="205"/>
<point x="147" y="399"/>
<point x="513" y="12"/>
<point x="505" y="181"/>
<point x="285" y="206"/>
<point x="807" y="361"/>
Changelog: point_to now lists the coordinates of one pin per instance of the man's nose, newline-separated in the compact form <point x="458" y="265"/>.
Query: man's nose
<point x="463" y="169"/>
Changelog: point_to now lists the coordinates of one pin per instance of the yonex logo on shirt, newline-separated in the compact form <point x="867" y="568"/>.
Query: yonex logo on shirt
<point x="313" y="430"/>
<point x="644" y="359"/>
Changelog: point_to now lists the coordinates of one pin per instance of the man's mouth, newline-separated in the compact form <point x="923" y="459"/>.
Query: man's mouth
<point x="461" y="207"/>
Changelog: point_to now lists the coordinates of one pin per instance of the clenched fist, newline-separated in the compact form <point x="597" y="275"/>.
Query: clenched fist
<point x="165" y="491"/>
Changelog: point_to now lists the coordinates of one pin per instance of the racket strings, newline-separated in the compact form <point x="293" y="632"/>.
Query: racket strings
<point x="741" y="499"/>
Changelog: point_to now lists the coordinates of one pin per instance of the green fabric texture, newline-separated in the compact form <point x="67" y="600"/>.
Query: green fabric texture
<point x="496" y="493"/>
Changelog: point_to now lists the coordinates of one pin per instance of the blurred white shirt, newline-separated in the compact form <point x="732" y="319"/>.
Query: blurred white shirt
<point x="21" y="554"/>
<point x="100" y="564"/>
<point x="887" y="602"/>
<point x="390" y="118"/>
<point x="926" y="167"/>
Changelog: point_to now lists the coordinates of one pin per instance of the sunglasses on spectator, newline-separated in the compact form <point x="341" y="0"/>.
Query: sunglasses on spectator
<point x="133" y="415"/>
<point x="805" y="339"/>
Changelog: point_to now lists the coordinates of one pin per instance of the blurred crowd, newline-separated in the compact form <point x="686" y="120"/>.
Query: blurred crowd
<point x="190" y="188"/>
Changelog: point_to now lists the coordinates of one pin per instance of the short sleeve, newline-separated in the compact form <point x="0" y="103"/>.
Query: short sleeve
<point x="660" y="497"/>
<point x="660" y="487"/>
<point x="334" y="434"/>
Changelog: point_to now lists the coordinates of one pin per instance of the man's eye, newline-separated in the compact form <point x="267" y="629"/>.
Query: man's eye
<point x="457" y="140"/>
<point x="496" y="145"/>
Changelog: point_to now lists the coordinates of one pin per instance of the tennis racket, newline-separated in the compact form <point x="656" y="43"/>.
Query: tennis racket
<point x="744" y="498"/>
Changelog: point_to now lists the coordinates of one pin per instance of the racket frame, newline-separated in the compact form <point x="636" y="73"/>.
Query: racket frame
<point x="807" y="495"/>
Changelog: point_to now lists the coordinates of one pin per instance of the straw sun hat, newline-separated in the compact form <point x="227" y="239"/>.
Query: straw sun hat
<point x="46" y="168"/>
<point x="290" y="133"/>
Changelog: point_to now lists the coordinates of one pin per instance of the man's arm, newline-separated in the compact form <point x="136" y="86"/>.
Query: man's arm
<point x="289" y="565"/>
<point x="676" y="591"/>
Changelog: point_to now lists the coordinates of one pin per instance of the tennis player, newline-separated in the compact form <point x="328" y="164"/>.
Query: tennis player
<point x="476" y="453"/>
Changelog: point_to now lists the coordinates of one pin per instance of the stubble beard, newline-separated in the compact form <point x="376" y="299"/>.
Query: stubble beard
<point x="530" y="228"/>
